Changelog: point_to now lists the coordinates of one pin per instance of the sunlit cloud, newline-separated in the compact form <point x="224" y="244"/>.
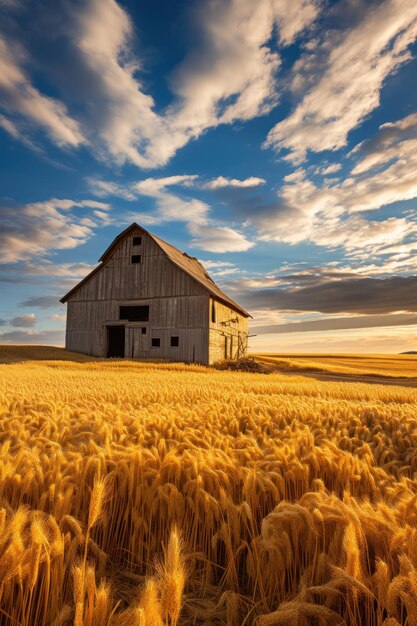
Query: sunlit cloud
<point x="348" y="80"/>
<point x="23" y="100"/>
<point x="221" y="182"/>
<point x="48" y="225"/>
<point x="230" y="76"/>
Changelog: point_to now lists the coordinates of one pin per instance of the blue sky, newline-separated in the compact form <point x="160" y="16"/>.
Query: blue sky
<point x="275" y="140"/>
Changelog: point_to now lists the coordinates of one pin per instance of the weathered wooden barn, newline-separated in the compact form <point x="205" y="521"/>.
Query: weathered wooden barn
<point x="149" y="300"/>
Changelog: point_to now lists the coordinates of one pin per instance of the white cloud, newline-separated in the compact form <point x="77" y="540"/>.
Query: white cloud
<point x="23" y="100"/>
<point x="226" y="272"/>
<point x="349" y="88"/>
<point x="105" y="188"/>
<point x="230" y="76"/>
<point x="323" y="217"/>
<point x="152" y="186"/>
<point x="216" y="265"/>
<point x="394" y="141"/>
<point x="220" y="268"/>
<point x="328" y="215"/>
<point x="9" y="127"/>
<point x="123" y="114"/>
<point x="170" y="207"/>
<point x="221" y="182"/>
<point x="296" y="176"/>
<point x="293" y="17"/>
<point x="218" y="238"/>
<point x="94" y="204"/>
<point x="35" y="229"/>
<point x="49" y="268"/>
<point x="330" y="169"/>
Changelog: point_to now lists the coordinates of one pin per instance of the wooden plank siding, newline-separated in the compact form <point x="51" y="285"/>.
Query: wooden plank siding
<point x="227" y="333"/>
<point x="179" y="306"/>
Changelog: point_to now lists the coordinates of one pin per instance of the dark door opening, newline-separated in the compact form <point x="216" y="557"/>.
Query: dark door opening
<point x="115" y="342"/>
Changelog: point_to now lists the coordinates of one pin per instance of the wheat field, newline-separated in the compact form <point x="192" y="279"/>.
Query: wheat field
<point x="387" y="366"/>
<point x="166" y="494"/>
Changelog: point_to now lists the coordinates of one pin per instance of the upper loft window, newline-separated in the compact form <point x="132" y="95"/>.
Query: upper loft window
<point x="213" y="311"/>
<point x="134" y="313"/>
<point x="136" y="258"/>
<point x="137" y="241"/>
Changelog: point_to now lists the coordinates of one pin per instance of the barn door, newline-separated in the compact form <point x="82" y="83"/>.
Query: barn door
<point x="115" y="342"/>
<point x="138" y="342"/>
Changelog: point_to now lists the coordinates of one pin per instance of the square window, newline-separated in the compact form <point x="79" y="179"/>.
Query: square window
<point x="175" y="342"/>
<point x="136" y="258"/>
<point x="137" y="241"/>
<point x="144" y="330"/>
<point x="156" y="342"/>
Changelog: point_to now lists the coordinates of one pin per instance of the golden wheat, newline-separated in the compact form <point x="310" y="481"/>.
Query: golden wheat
<point x="164" y="494"/>
<point x="388" y="366"/>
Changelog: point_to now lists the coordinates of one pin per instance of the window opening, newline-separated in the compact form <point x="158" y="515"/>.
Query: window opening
<point x="134" y="313"/>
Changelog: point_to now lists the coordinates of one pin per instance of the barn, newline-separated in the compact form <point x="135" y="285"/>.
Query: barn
<point x="148" y="300"/>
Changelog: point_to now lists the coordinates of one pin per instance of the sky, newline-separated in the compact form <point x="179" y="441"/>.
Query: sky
<point x="274" y="140"/>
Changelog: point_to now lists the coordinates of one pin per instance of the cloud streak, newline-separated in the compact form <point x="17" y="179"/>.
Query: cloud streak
<point x="338" y="323"/>
<point x="229" y="76"/>
<point x="43" y="302"/>
<point x="362" y="296"/>
<point x="33" y="230"/>
<point x="34" y="337"/>
<point x="348" y="88"/>
<point x="332" y="214"/>
<point x="221" y="182"/>
<point x="23" y="100"/>
<point x="206" y="233"/>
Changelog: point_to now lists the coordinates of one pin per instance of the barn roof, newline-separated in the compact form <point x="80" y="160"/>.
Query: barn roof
<point x="189" y="264"/>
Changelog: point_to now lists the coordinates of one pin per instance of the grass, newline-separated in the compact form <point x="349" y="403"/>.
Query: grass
<point x="389" y="366"/>
<point x="164" y="494"/>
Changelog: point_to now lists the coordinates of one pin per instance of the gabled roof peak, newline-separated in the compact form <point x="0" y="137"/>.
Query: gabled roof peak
<point x="187" y="263"/>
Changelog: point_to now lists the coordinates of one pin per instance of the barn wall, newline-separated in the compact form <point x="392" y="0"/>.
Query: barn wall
<point x="178" y="306"/>
<point x="182" y="316"/>
<point x="228" y="326"/>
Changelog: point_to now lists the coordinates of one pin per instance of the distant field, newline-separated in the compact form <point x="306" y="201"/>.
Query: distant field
<point x="16" y="353"/>
<point x="296" y="499"/>
<point x="389" y="365"/>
